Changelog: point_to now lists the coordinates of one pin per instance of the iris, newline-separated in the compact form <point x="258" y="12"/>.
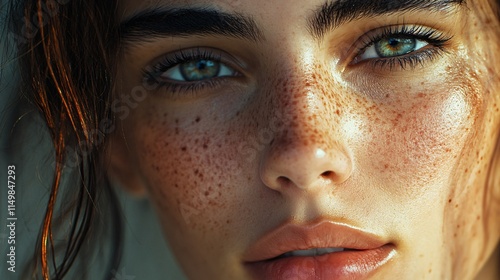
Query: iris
<point x="390" y="47"/>
<point x="197" y="70"/>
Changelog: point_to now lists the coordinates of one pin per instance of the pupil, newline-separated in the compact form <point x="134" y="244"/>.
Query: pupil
<point x="202" y="65"/>
<point x="393" y="42"/>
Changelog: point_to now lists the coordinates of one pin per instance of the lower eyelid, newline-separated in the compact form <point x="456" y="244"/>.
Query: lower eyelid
<point x="409" y="61"/>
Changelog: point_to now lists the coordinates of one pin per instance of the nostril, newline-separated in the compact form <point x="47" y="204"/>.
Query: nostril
<point x="284" y="181"/>
<point x="327" y="174"/>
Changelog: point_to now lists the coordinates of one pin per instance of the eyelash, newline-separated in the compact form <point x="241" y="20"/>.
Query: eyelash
<point x="437" y="46"/>
<point x="151" y="74"/>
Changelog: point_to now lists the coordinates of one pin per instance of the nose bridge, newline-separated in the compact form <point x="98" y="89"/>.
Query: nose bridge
<point x="308" y="148"/>
<point x="308" y="107"/>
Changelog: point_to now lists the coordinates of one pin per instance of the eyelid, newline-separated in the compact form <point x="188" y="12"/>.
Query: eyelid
<point x="167" y="61"/>
<point x="191" y="90"/>
<point x="366" y="52"/>
<point x="432" y="36"/>
<point x="417" y="31"/>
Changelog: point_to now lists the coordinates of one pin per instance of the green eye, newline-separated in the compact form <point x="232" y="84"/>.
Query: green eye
<point x="197" y="70"/>
<point x="392" y="46"/>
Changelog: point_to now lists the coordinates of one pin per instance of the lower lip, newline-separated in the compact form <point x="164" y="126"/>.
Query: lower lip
<point x="339" y="265"/>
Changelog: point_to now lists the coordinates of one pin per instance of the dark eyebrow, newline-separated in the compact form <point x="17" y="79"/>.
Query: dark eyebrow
<point x="334" y="13"/>
<point x="157" y="22"/>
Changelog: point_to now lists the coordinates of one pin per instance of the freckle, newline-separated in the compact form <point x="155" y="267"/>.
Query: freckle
<point x="165" y="114"/>
<point x="197" y="119"/>
<point x="184" y="148"/>
<point x="478" y="218"/>
<point x="449" y="200"/>
<point x="337" y="112"/>
<point x="176" y="121"/>
<point x="456" y="205"/>
<point x="466" y="170"/>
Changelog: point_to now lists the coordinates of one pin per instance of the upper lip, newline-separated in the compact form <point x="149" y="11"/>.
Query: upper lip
<point x="323" y="234"/>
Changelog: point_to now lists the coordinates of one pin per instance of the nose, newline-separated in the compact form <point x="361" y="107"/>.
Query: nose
<point x="308" y="151"/>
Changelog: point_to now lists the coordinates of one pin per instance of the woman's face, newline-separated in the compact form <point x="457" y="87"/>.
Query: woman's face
<point x="258" y="128"/>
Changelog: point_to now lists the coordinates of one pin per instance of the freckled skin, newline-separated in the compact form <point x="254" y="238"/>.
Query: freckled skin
<point x="409" y="155"/>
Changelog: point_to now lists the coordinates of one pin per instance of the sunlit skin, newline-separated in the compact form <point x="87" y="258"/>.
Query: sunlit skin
<point x="309" y="129"/>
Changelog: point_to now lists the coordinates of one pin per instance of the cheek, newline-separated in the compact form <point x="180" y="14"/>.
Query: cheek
<point x="417" y="143"/>
<point x="189" y="168"/>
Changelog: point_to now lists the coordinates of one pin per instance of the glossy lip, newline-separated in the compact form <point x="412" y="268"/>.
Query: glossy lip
<point x="370" y="252"/>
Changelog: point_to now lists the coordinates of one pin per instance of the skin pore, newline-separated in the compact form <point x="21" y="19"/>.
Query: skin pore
<point x="304" y="123"/>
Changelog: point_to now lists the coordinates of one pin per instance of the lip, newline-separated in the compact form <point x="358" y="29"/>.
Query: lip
<point x="370" y="252"/>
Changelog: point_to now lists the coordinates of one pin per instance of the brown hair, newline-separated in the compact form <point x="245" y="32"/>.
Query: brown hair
<point x="67" y="53"/>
